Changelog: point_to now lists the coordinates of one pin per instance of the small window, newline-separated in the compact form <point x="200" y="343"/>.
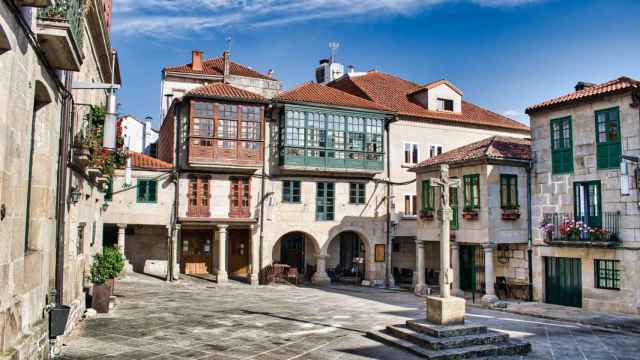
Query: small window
<point x="445" y="104"/>
<point x="357" y="193"/>
<point x="410" y="205"/>
<point x="325" y="201"/>
<point x="291" y="191"/>
<point x="428" y="195"/>
<point x="561" y="146"/>
<point x="435" y="150"/>
<point x="472" y="191"/>
<point x="607" y="274"/>
<point x="147" y="191"/>
<point x="411" y="153"/>
<point x="509" y="191"/>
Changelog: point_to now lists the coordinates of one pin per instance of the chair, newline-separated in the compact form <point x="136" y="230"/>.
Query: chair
<point x="294" y="277"/>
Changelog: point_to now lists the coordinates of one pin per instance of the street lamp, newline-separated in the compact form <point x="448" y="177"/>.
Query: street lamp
<point x="75" y="195"/>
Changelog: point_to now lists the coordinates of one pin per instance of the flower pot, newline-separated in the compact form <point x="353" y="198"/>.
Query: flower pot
<point x="470" y="215"/>
<point x="111" y="283"/>
<point x="100" y="296"/>
<point x="426" y="215"/>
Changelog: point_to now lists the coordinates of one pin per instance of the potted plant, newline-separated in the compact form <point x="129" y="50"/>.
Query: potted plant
<point x="101" y="292"/>
<point x="547" y="229"/>
<point x="511" y="213"/>
<point x="114" y="263"/>
<point x="426" y="214"/>
<point x="599" y="234"/>
<point x="469" y="213"/>
<point x="572" y="230"/>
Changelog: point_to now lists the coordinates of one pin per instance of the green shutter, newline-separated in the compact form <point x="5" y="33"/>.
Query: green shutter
<point x="609" y="146"/>
<point x="471" y="191"/>
<point x="108" y="196"/>
<point x="453" y="203"/>
<point x="428" y="193"/>
<point x="587" y="202"/>
<point x="561" y="146"/>
<point x="147" y="191"/>
<point x="142" y="190"/>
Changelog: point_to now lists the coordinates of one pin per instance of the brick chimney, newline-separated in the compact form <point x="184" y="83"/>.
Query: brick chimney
<point x="196" y="60"/>
<point x="226" y="71"/>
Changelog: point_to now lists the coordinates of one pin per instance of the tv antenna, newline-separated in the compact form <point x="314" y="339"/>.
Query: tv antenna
<point x="333" y="46"/>
<point x="229" y="39"/>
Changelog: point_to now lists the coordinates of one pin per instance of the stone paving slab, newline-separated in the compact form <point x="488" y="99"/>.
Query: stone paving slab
<point x="195" y="319"/>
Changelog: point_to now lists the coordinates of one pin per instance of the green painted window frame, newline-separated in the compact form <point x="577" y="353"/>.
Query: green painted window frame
<point x="607" y="274"/>
<point x="291" y="191"/>
<point x="471" y="183"/>
<point x="325" y="201"/>
<point x="509" y="186"/>
<point x="108" y="195"/>
<point x="454" y="224"/>
<point x="609" y="150"/>
<point x="147" y="191"/>
<point x="428" y="196"/>
<point x="594" y="204"/>
<point x="357" y="193"/>
<point x="561" y="145"/>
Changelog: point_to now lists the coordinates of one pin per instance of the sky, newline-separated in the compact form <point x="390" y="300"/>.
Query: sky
<point x="503" y="54"/>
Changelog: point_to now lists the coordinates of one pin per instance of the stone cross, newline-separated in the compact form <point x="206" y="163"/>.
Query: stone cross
<point x="445" y="183"/>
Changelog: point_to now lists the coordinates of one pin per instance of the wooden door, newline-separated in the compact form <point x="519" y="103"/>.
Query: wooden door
<point x="563" y="281"/>
<point x="196" y="252"/>
<point x="199" y="196"/>
<point x="240" y="197"/>
<point x="239" y="252"/>
<point x="292" y="251"/>
<point x="471" y="268"/>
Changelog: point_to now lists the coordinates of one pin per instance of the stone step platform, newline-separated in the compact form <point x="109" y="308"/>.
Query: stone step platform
<point x="442" y="343"/>
<point x="449" y="342"/>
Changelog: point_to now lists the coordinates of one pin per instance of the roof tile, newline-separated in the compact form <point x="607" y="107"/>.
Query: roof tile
<point x="142" y="161"/>
<point x="620" y="84"/>
<point x="394" y="93"/>
<point x="324" y="95"/>
<point x="492" y="148"/>
<point x="221" y="90"/>
<point x="216" y="67"/>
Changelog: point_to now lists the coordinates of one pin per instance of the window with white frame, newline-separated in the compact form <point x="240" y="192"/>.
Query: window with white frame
<point x="435" y="150"/>
<point x="445" y="104"/>
<point x="411" y="153"/>
<point x="410" y="205"/>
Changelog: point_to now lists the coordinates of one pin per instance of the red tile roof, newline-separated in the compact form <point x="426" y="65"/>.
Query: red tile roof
<point x="437" y="83"/>
<point x="492" y="148"/>
<point x="216" y="67"/>
<point x="618" y="85"/>
<point x="146" y="162"/>
<point x="219" y="90"/>
<point x="320" y="94"/>
<point x="394" y="93"/>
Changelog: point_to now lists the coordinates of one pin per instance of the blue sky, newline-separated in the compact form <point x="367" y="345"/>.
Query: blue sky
<point x="504" y="54"/>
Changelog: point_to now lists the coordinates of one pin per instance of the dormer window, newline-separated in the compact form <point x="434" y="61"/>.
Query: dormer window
<point x="444" y="104"/>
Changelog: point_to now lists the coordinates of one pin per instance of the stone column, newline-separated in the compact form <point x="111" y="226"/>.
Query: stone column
<point x="321" y="277"/>
<point x="420" y="287"/>
<point x="489" y="276"/>
<point x="455" y="264"/>
<point x="121" y="246"/>
<point x="255" y="257"/>
<point x="222" y="254"/>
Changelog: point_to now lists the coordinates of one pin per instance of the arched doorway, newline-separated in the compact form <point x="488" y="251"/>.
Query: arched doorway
<point x="296" y="249"/>
<point x="346" y="260"/>
<point x="5" y="45"/>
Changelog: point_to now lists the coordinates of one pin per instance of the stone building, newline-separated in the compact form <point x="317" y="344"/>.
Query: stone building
<point x="489" y="228"/>
<point x="585" y="197"/>
<point x="431" y="119"/>
<point x="139" y="136"/>
<point x="49" y="214"/>
<point x="139" y="214"/>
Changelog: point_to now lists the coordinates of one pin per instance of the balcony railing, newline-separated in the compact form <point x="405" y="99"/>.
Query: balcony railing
<point x="221" y="151"/>
<point x="69" y="11"/>
<point x="565" y="227"/>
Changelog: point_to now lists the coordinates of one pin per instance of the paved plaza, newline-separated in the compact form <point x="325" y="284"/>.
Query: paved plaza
<point x="197" y="319"/>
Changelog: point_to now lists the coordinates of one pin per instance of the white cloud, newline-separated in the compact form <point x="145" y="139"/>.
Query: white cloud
<point x="162" y="18"/>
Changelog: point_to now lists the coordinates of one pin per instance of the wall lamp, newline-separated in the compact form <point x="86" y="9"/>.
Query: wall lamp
<point x="75" y="195"/>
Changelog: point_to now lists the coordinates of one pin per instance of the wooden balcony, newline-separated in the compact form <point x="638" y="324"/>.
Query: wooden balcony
<point x="33" y="3"/>
<point x="59" y="31"/>
<point x="216" y="153"/>
<point x="570" y="230"/>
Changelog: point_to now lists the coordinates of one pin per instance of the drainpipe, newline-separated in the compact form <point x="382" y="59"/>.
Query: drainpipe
<point x="262" y="199"/>
<point x="61" y="193"/>
<point x="174" y="220"/>
<point x="529" y="231"/>
<point x="389" y="276"/>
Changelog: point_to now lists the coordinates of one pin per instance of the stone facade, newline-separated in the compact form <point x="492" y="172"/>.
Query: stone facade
<point x="554" y="193"/>
<point x="32" y="97"/>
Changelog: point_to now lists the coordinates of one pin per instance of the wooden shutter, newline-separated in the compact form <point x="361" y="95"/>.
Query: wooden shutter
<point x="240" y="197"/>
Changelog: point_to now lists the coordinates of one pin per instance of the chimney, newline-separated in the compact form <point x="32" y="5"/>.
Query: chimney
<point x="196" y="60"/>
<point x="225" y="74"/>
<point x="581" y="85"/>
<point x="270" y="73"/>
<point x="352" y="69"/>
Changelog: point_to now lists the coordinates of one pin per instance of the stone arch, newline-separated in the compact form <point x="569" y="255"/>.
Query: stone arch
<point x="42" y="96"/>
<point x="5" y="45"/>
<point x="296" y="248"/>
<point x="345" y="245"/>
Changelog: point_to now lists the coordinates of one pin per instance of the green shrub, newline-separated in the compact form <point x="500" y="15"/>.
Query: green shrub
<point x="106" y="265"/>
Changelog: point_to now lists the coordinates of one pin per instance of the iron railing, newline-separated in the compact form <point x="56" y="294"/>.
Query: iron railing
<point x="70" y="11"/>
<point x="567" y="227"/>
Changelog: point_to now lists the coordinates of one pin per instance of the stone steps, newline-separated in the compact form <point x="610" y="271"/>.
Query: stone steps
<point x="442" y="343"/>
<point x="422" y="326"/>
<point x="509" y="347"/>
<point x="431" y="341"/>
